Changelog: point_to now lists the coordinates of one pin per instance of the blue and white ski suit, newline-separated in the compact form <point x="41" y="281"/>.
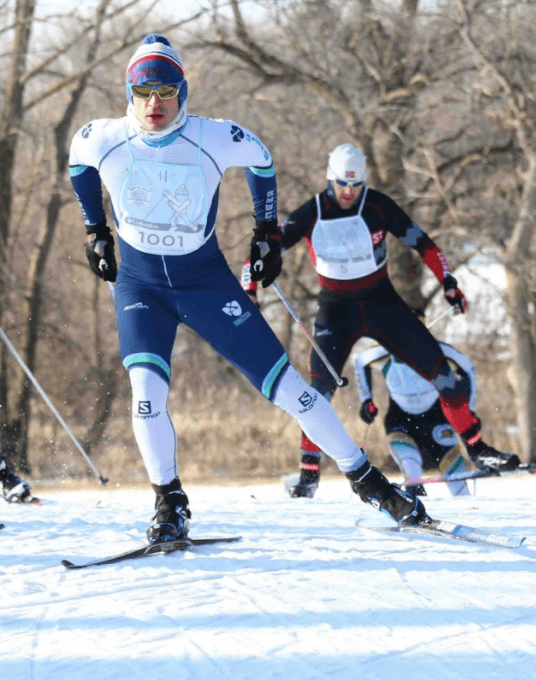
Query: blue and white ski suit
<point x="164" y="196"/>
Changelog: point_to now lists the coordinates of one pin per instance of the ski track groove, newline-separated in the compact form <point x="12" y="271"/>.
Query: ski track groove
<point x="277" y="622"/>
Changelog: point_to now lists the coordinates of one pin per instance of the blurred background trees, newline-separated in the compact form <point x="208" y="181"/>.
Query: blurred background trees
<point x="439" y="95"/>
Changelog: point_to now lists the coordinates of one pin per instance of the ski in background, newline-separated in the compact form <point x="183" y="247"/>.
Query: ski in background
<point x="524" y="469"/>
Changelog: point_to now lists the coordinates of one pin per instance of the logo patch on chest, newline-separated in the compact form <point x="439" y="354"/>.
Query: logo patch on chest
<point x="139" y="197"/>
<point x="377" y="237"/>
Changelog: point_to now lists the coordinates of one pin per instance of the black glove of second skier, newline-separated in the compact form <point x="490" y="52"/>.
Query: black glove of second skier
<point x="265" y="254"/>
<point x="99" y="247"/>
<point x="490" y="460"/>
<point x="454" y="295"/>
<point x="368" y="411"/>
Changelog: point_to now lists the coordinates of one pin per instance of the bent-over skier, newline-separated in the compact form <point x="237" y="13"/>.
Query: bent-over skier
<point x="416" y="428"/>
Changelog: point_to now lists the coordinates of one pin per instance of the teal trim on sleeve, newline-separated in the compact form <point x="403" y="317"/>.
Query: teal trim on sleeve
<point x="263" y="172"/>
<point x="75" y="170"/>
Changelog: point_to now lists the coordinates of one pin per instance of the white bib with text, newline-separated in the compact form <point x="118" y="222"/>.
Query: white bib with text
<point x="343" y="247"/>
<point x="163" y="207"/>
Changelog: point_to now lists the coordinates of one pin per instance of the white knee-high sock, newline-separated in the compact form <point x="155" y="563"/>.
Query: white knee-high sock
<point x="406" y="455"/>
<point x="152" y="425"/>
<point x="318" y="420"/>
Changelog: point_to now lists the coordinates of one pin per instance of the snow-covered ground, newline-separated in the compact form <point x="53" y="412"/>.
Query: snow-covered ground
<point x="305" y="595"/>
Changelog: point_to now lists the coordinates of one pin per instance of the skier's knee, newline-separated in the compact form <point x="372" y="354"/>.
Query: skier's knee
<point x="147" y="385"/>
<point x="404" y="451"/>
<point x="150" y="362"/>
<point x="293" y="394"/>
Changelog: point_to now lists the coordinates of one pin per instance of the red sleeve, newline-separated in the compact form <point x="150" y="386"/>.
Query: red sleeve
<point x="433" y="257"/>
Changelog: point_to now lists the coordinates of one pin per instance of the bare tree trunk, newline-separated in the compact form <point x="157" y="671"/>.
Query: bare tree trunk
<point x="32" y="313"/>
<point x="519" y="299"/>
<point x="410" y="7"/>
<point x="9" y="119"/>
<point x="386" y="153"/>
<point x="42" y="247"/>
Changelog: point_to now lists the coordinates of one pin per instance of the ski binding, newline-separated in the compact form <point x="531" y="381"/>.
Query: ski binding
<point x="156" y="549"/>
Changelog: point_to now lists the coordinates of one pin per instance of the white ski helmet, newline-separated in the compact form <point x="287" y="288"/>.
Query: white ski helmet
<point x="348" y="164"/>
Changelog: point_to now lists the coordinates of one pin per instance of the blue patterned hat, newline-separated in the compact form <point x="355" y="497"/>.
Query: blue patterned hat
<point x="156" y="60"/>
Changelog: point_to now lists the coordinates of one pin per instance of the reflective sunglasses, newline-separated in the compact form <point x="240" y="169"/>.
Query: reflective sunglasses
<point x="163" y="91"/>
<point x="342" y="183"/>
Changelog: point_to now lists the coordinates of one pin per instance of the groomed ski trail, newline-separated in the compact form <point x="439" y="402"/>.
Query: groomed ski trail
<point x="304" y="595"/>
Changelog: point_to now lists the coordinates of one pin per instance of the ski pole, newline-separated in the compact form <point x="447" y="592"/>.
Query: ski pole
<point x="428" y="325"/>
<point x="365" y="434"/>
<point x="529" y="468"/>
<point x="51" y="406"/>
<point x="341" y="382"/>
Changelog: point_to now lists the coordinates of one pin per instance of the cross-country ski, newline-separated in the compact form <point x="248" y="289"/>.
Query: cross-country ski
<point x="451" y="530"/>
<point x="147" y="550"/>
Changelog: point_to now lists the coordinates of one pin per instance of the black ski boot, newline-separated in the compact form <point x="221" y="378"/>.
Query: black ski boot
<point x="309" y="478"/>
<point x="172" y="519"/>
<point x="485" y="457"/>
<point x="415" y="489"/>
<point x="15" y="489"/>
<point x="373" y="488"/>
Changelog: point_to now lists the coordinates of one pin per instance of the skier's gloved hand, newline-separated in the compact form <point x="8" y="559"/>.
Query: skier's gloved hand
<point x="493" y="461"/>
<point x="265" y="253"/>
<point x="485" y="457"/>
<point x="481" y="463"/>
<point x="368" y="411"/>
<point x="454" y="295"/>
<point x="99" y="247"/>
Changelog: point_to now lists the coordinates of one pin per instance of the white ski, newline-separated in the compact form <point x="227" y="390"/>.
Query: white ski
<point x="441" y="529"/>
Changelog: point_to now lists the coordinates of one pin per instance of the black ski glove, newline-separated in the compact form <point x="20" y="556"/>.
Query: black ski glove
<point x="454" y="295"/>
<point x="99" y="247"/>
<point x="265" y="256"/>
<point x="368" y="411"/>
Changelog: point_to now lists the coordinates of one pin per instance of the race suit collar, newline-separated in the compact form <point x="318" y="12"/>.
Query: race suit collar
<point x="176" y="125"/>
